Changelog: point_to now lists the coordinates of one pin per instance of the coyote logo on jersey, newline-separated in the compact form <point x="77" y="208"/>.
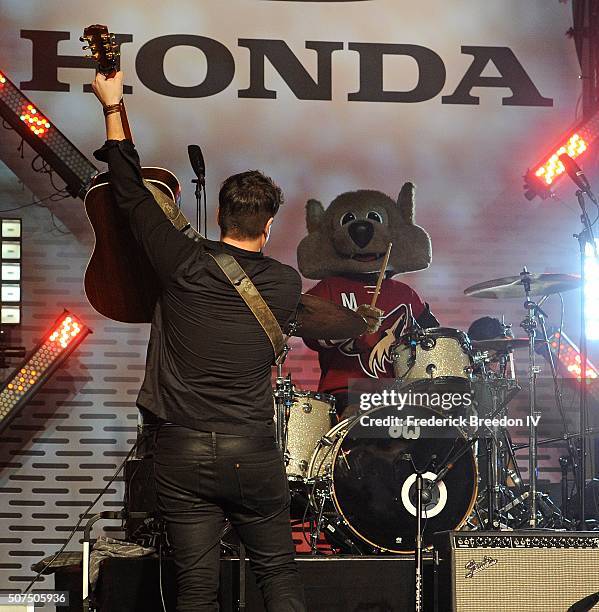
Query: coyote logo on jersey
<point x="374" y="351"/>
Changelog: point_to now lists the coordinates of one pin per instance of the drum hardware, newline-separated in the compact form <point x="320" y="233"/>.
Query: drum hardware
<point x="503" y="344"/>
<point x="493" y="391"/>
<point x="283" y="395"/>
<point x="438" y="352"/>
<point x="512" y="286"/>
<point x="308" y="418"/>
<point x="528" y="285"/>
<point x="369" y="482"/>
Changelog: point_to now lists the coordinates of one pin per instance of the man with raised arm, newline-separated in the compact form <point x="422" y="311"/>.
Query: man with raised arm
<point x="207" y="379"/>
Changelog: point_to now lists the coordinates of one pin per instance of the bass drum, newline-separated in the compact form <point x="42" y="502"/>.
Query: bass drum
<point x="370" y="462"/>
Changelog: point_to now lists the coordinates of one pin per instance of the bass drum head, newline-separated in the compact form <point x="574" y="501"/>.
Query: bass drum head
<point x="374" y="480"/>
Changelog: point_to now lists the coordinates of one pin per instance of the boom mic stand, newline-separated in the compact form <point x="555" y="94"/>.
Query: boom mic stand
<point x="584" y="237"/>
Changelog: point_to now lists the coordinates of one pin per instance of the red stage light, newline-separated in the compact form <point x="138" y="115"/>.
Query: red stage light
<point x="569" y="358"/>
<point x="66" y="333"/>
<point x="34" y="127"/>
<point x="34" y="120"/>
<point x="549" y="169"/>
<point x="553" y="167"/>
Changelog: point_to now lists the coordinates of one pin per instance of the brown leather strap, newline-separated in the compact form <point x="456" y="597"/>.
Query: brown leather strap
<point x="247" y="290"/>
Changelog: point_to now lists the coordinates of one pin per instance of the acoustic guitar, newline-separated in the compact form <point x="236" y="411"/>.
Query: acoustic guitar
<point x="120" y="282"/>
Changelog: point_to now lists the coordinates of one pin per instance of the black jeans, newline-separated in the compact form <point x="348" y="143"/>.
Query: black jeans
<point x="201" y="478"/>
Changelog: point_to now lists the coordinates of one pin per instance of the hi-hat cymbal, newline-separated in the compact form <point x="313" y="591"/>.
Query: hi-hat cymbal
<point x="320" y="319"/>
<point x="514" y="286"/>
<point x="503" y="344"/>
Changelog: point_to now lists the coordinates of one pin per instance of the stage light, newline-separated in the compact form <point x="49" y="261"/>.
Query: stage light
<point x="10" y="271"/>
<point x="39" y="132"/>
<point x="57" y="344"/>
<point x="575" y="142"/>
<point x="34" y="120"/>
<point x="569" y="358"/>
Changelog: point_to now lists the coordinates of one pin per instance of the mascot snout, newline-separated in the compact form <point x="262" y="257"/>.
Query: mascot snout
<point x="361" y="232"/>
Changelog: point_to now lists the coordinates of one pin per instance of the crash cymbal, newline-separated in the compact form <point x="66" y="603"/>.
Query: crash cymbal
<point x="320" y="319"/>
<point x="503" y="344"/>
<point x="514" y="286"/>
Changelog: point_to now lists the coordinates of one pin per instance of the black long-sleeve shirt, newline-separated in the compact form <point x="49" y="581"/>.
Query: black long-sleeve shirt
<point x="209" y="361"/>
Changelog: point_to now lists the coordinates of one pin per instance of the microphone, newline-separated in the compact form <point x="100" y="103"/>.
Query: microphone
<point x="575" y="173"/>
<point x="197" y="162"/>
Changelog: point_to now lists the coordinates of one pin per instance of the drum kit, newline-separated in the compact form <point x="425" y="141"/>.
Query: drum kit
<point x="360" y="480"/>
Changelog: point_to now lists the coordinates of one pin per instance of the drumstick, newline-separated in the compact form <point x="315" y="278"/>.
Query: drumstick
<point x="379" y="282"/>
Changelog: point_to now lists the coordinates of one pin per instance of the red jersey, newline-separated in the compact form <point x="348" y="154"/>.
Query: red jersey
<point x="370" y="354"/>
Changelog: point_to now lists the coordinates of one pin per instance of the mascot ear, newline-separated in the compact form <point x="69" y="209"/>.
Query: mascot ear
<point x="314" y="214"/>
<point x="405" y="201"/>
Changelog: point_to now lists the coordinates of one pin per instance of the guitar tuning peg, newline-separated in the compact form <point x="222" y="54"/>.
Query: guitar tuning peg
<point x="85" y="47"/>
<point x="84" y="39"/>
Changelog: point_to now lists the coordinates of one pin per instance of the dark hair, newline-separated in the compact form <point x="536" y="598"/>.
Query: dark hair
<point x="247" y="201"/>
<point x="486" y="328"/>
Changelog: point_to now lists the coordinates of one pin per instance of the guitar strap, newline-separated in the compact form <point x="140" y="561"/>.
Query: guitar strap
<point x="251" y="296"/>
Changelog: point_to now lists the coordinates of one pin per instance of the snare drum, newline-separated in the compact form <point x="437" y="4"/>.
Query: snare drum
<point x="310" y="417"/>
<point x="439" y="352"/>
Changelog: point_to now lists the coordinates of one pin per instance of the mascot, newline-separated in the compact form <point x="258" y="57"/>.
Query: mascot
<point x="344" y="249"/>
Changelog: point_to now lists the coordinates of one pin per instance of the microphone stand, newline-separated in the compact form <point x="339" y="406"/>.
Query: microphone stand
<point x="423" y="495"/>
<point x="199" y="183"/>
<point x="584" y="237"/>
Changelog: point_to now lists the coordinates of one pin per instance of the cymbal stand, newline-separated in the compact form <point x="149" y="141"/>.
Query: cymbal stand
<point x="529" y="324"/>
<point x="541" y="316"/>
<point x="283" y="395"/>
<point x="499" y="449"/>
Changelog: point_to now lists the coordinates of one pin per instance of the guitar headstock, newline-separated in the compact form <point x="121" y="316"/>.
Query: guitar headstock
<point x="103" y="48"/>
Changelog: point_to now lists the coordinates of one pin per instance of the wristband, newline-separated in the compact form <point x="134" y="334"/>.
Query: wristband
<point x="111" y="108"/>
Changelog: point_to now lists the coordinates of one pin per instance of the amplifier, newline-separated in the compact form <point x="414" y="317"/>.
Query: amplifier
<point x="140" y="495"/>
<point x="528" y="571"/>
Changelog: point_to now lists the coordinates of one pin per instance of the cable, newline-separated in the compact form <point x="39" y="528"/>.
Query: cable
<point x="54" y="197"/>
<point x="53" y="218"/>
<point x="160" y="574"/>
<point x="205" y="213"/>
<point x="83" y="515"/>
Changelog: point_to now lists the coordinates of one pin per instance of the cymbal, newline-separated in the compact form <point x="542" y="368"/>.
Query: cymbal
<point x="513" y="287"/>
<point x="503" y="344"/>
<point x="320" y="319"/>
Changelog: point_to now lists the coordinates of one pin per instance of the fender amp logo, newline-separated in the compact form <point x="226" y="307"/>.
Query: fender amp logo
<point x="474" y="567"/>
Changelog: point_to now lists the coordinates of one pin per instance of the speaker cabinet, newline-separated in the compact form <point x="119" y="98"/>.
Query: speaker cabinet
<point x="528" y="571"/>
<point x="140" y="495"/>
